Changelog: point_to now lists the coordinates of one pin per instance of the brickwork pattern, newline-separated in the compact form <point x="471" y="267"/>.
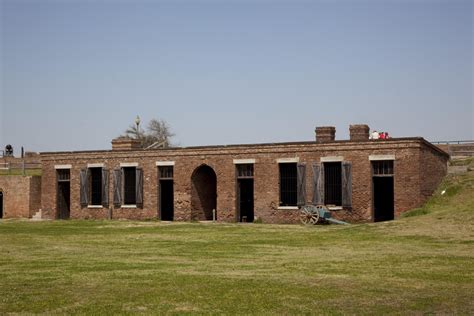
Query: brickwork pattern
<point x="435" y="167"/>
<point x="21" y="196"/>
<point x="414" y="179"/>
<point x="325" y="134"/>
<point x="359" y="132"/>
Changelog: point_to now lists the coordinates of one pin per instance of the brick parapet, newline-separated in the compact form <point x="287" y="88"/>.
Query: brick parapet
<point x="244" y="149"/>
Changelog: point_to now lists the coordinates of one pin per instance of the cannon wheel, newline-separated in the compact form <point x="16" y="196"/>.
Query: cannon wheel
<point x="305" y="216"/>
<point x="309" y="215"/>
<point x="314" y="217"/>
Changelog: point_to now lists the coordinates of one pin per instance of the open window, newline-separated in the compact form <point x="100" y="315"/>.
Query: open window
<point x="292" y="184"/>
<point x="95" y="179"/>
<point x="94" y="187"/>
<point x="333" y="183"/>
<point x="128" y="187"/>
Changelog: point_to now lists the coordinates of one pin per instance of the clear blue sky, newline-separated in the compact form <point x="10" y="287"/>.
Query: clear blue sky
<point x="74" y="74"/>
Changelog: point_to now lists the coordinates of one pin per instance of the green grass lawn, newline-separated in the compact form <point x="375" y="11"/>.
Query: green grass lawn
<point x="19" y="172"/>
<point x="423" y="263"/>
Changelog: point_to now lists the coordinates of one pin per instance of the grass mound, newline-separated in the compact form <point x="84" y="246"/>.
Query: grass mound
<point x="454" y="197"/>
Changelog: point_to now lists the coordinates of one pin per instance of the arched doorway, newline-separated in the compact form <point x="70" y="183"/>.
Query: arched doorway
<point x="203" y="193"/>
<point x="1" y="204"/>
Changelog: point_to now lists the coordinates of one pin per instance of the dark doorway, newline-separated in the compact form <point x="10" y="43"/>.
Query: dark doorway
<point x="63" y="194"/>
<point x="203" y="193"/>
<point x="165" y="193"/>
<point x="166" y="200"/>
<point x="383" y="198"/>
<point x="245" y="198"/>
<point x="1" y="204"/>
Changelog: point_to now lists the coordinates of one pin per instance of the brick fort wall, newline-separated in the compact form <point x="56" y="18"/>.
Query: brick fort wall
<point x="21" y="195"/>
<point x="418" y="166"/>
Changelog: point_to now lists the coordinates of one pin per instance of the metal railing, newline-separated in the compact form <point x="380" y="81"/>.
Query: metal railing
<point x="453" y="142"/>
<point x="457" y="148"/>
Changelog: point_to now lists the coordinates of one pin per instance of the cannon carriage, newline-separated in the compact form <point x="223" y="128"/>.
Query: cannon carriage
<point x="312" y="214"/>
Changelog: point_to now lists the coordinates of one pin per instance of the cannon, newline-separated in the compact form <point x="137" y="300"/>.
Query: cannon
<point x="311" y="215"/>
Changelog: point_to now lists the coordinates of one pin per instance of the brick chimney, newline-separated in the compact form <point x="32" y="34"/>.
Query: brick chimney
<point x="359" y="132"/>
<point x="325" y="134"/>
<point x="125" y="143"/>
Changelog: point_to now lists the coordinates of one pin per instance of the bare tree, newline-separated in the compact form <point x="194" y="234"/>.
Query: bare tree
<point x="160" y="131"/>
<point x="158" y="134"/>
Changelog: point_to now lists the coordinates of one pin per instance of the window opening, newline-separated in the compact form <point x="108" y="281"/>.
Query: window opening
<point x="63" y="175"/>
<point x="333" y="183"/>
<point x="129" y="185"/>
<point x="288" y="184"/>
<point x="382" y="168"/>
<point x="95" y="179"/>
<point x="166" y="172"/>
<point x="245" y="171"/>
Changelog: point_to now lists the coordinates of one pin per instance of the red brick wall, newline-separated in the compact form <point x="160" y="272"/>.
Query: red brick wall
<point x="21" y="196"/>
<point x="35" y="194"/>
<point x="433" y="168"/>
<point x="410" y="157"/>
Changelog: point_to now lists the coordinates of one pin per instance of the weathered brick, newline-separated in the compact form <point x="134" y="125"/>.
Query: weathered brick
<point x="21" y="195"/>
<point x="419" y="167"/>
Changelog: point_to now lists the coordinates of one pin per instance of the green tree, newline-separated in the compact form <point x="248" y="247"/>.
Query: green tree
<point x="134" y="131"/>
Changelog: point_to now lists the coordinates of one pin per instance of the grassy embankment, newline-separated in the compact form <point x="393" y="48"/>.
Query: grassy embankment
<point x="422" y="263"/>
<point x="19" y="172"/>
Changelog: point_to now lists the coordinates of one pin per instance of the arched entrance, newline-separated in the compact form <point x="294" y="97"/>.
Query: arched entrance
<point x="1" y="203"/>
<point x="203" y="193"/>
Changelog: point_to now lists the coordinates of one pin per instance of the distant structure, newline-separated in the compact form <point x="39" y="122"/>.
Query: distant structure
<point x="8" y="151"/>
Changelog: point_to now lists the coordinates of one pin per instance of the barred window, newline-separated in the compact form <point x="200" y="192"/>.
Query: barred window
<point x="129" y="186"/>
<point x="63" y="174"/>
<point x="288" y="184"/>
<point x="332" y="183"/>
<point x="382" y="168"/>
<point x="244" y="170"/>
<point x="166" y="172"/>
<point x="95" y="180"/>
